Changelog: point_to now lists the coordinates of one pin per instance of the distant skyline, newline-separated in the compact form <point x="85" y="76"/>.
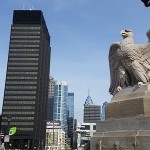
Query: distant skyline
<point x="81" y="33"/>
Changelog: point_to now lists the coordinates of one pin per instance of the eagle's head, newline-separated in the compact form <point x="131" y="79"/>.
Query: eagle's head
<point x="126" y="33"/>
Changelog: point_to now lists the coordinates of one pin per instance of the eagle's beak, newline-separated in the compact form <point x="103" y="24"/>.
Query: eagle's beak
<point x="122" y="32"/>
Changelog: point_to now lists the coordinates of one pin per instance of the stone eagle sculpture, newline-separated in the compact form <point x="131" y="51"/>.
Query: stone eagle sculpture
<point x="129" y="62"/>
<point x="146" y="3"/>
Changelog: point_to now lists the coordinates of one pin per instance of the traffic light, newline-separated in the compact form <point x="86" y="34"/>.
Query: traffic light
<point x="146" y="3"/>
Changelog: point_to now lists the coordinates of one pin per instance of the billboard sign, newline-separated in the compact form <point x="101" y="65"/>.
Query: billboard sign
<point x="6" y="138"/>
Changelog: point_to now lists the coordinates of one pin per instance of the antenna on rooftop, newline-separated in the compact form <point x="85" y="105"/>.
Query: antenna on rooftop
<point x="32" y="8"/>
<point x="23" y="6"/>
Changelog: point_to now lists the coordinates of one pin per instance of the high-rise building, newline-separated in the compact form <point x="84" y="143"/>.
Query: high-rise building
<point x="91" y="112"/>
<point x="26" y="86"/>
<point x="60" y="103"/>
<point x="50" y="99"/>
<point x="70" y="104"/>
<point x="88" y="100"/>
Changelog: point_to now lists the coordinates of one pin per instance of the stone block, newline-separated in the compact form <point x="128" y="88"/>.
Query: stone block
<point x="125" y="140"/>
<point x="130" y="102"/>
<point x="129" y="124"/>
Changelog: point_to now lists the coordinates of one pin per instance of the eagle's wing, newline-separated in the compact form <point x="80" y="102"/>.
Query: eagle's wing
<point x="114" y="64"/>
<point x="145" y="51"/>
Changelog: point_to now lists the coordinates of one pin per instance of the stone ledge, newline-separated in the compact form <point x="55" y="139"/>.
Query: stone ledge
<point x="132" y="93"/>
<point x="122" y="133"/>
<point x="126" y="139"/>
<point x="135" y="123"/>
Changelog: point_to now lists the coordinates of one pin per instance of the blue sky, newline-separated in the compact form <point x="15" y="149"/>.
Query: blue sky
<point x="81" y="33"/>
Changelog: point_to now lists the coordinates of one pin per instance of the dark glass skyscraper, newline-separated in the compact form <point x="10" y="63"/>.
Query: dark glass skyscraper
<point x="70" y="104"/>
<point x="50" y="99"/>
<point x="26" y="86"/>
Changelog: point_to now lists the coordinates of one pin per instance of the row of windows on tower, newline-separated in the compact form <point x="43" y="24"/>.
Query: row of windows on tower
<point x="24" y="37"/>
<point x="23" y="54"/>
<point x="25" y="41"/>
<point x="20" y="88"/>
<point x="23" y="59"/>
<point x="20" y="92"/>
<point x="19" y="102"/>
<point x="22" y="77"/>
<point x="18" y="123"/>
<point x="24" y="50"/>
<point x="21" y="32"/>
<point x="19" y="112"/>
<point x="22" y="73"/>
<point x="20" y="97"/>
<point x="26" y="27"/>
<point x="24" y="45"/>
<point x="21" y="82"/>
<point x="19" y="107"/>
<point x="19" y="118"/>
<point x="23" y="68"/>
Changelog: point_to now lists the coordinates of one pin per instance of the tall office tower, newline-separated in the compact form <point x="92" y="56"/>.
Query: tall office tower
<point x="26" y="86"/>
<point x="60" y="103"/>
<point x="50" y="99"/>
<point x="70" y="104"/>
<point x="91" y="112"/>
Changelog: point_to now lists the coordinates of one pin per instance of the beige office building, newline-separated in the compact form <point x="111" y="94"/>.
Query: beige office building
<point x="55" y="136"/>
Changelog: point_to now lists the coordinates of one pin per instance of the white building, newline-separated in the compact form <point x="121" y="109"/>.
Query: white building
<point x="55" y="136"/>
<point x="85" y="132"/>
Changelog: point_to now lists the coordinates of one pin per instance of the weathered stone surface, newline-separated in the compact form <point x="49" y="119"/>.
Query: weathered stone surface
<point x="135" y="92"/>
<point x="127" y="118"/>
<point x="128" y="114"/>
<point x="126" y="139"/>
<point x="129" y="62"/>
<point x="129" y="124"/>
<point x="130" y="102"/>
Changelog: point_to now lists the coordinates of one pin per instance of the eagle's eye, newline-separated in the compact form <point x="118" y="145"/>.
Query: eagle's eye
<point x="127" y="31"/>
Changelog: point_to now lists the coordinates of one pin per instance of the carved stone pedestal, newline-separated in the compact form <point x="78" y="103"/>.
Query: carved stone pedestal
<point x="130" y="102"/>
<point x="129" y="132"/>
<point x="124" y="140"/>
<point x="127" y="121"/>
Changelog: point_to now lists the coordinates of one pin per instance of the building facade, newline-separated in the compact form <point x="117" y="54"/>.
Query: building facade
<point x="55" y="136"/>
<point x="50" y="99"/>
<point x="26" y="86"/>
<point x="70" y="105"/>
<point x="91" y="112"/>
<point x="85" y="132"/>
<point x="75" y="135"/>
<point x="60" y="111"/>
